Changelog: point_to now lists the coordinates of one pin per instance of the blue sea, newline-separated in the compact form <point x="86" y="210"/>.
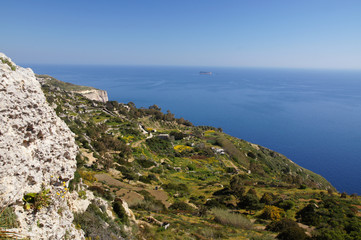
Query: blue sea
<point x="311" y="116"/>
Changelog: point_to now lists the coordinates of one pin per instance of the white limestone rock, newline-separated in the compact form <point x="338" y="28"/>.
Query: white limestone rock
<point x="36" y="147"/>
<point x="95" y="94"/>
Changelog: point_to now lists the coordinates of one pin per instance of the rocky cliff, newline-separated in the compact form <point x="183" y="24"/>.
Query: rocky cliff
<point x="88" y="92"/>
<point x="37" y="157"/>
<point x="95" y="94"/>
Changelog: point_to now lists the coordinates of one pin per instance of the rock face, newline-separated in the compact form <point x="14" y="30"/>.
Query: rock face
<point x="95" y="94"/>
<point x="37" y="152"/>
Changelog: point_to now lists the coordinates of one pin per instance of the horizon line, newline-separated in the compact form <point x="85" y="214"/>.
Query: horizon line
<point x="189" y="66"/>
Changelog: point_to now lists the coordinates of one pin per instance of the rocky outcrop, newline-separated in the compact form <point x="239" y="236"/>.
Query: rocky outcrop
<point x="95" y="94"/>
<point x="37" y="154"/>
<point x="88" y="92"/>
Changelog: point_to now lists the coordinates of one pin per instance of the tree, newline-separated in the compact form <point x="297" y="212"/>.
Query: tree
<point x="236" y="185"/>
<point x="250" y="202"/>
<point x="266" y="198"/>
<point x="308" y="215"/>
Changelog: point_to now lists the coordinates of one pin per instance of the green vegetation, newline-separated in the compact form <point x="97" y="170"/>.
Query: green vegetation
<point x="37" y="201"/>
<point x="224" y="217"/>
<point x="6" y="61"/>
<point x="202" y="182"/>
<point x="8" y="218"/>
<point x="62" y="85"/>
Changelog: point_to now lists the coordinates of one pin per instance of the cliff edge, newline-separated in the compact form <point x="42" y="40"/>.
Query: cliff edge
<point x="88" y="92"/>
<point x="37" y="157"/>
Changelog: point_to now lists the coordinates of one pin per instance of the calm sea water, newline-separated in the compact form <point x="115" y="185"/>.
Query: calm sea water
<point x="311" y="116"/>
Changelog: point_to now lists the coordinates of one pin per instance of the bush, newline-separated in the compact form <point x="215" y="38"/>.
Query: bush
<point x="331" y="234"/>
<point x="74" y="181"/>
<point x="267" y="198"/>
<point x="8" y="218"/>
<point x="120" y="211"/>
<point x="281" y="225"/>
<point x="286" y="205"/>
<point x="237" y="186"/>
<point x="214" y="203"/>
<point x="293" y="233"/>
<point x="175" y="188"/>
<point x="144" y="163"/>
<point x="250" y="202"/>
<point x="308" y="215"/>
<point x="224" y="217"/>
<point x="160" y="146"/>
<point x="272" y="213"/>
<point x="38" y="200"/>
<point x="97" y="225"/>
<point x="101" y="192"/>
<point x="177" y="135"/>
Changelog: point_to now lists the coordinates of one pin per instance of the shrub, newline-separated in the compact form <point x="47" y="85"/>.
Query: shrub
<point x="101" y="192"/>
<point x="160" y="146"/>
<point x="272" y="213"/>
<point x="82" y="194"/>
<point x="281" y="225"/>
<point x="224" y="217"/>
<point x="74" y="181"/>
<point x="214" y="203"/>
<point x="177" y="135"/>
<point x="8" y="218"/>
<point x="237" y="186"/>
<point x="332" y="234"/>
<point x="145" y="163"/>
<point x="308" y="215"/>
<point x="267" y="198"/>
<point x="38" y="200"/>
<point x="175" y="188"/>
<point x="120" y="211"/>
<point x="286" y="205"/>
<point x="144" y="179"/>
<point x="293" y="233"/>
<point x="97" y="225"/>
<point x="250" y="202"/>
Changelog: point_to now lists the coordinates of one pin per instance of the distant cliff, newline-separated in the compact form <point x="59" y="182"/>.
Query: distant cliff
<point x="88" y="92"/>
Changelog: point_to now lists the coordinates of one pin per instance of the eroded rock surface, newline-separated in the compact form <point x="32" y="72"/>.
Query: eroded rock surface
<point x="36" y="148"/>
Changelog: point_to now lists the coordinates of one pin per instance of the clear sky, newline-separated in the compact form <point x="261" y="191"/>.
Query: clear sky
<point x="257" y="33"/>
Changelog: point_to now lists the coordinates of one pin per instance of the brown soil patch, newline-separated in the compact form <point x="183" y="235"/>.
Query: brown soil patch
<point x="160" y="195"/>
<point x="129" y="191"/>
<point x="129" y="196"/>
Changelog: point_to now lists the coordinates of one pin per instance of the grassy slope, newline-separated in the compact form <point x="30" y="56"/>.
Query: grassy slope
<point x="62" y="85"/>
<point x="184" y="169"/>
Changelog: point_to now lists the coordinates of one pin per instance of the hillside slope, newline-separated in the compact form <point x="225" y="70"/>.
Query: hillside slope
<point x="188" y="182"/>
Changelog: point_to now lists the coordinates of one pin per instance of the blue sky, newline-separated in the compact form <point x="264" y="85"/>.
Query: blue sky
<point x="256" y="33"/>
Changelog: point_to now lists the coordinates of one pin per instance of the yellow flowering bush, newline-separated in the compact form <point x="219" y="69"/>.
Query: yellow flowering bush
<point x="87" y="176"/>
<point x="149" y="129"/>
<point x="128" y="138"/>
<point x="272" y="212"/>
<point x="182" y="148"/>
